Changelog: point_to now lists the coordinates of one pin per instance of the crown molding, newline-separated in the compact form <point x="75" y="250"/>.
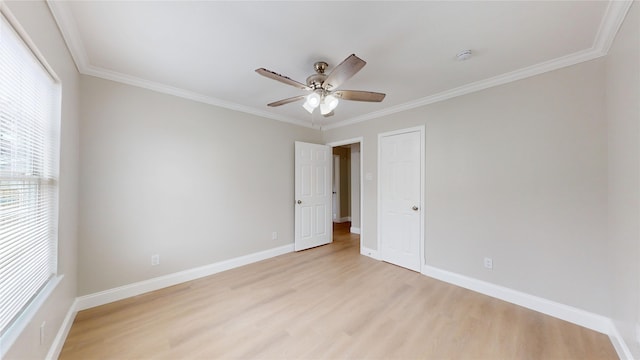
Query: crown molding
<point x="68" y="27"/>
<point x="502" y="79"/>
<point x="611" y="21"/>
<point x="186" y="94"/>
<point x="609" y="26"/>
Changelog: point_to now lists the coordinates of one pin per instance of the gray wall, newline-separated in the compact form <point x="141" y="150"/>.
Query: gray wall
<point x="623" y="116"/>
<point x="191" y="182"/>
<point x="39" y="25"/>
<point x="518" y="173"/>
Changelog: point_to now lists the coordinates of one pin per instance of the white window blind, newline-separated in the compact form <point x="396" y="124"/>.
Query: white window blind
<point x="29" y="143"/>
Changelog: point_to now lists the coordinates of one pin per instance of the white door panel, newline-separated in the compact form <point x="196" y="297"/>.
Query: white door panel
<point x="313" y="195"/>
<point x="401" y="198"/>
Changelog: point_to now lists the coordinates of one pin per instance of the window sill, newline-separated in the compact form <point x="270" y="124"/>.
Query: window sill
<point x="15" y="330"/>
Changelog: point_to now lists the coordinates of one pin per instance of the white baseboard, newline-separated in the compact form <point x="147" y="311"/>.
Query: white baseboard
<point x="126" y="291"/>
<point x="61" y="336"/>
<point x="623" y="350"/>
<point x="370" y="253"/>
<point x="561" y="311"/>
<point x="571" y="314"/>
<point x="355" y="230"/>
<point x="342" y="219"/>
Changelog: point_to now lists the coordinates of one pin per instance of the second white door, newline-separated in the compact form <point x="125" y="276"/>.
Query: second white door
<point x="400" y="194"/>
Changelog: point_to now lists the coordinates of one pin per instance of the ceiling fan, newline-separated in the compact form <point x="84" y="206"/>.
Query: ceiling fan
<point x="322" y="88"/>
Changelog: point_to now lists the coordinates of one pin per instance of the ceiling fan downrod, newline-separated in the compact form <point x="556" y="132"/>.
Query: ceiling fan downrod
<point x="315" y="81"/>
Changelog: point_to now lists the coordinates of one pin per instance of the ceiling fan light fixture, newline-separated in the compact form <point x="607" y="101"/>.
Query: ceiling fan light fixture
<point x="331" y="101"/>
<point x="324" y="108"/>
<point x="328" y="104"/>
<point x="308" y="107"/>
<point x="313" y="100"/>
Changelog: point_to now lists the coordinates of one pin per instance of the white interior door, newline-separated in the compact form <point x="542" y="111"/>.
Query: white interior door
<point x="400" y="194"/>
<point x="313" y="225"/>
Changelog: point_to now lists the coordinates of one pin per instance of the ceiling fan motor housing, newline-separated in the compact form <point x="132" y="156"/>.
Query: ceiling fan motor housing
<point x="315" y="81"/>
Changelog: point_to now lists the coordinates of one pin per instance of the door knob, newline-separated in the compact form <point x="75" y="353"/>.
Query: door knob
<point x="414" y="208"/>
<point x="299" y="202"/>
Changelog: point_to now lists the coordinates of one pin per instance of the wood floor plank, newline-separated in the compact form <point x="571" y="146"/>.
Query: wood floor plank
<point x="328" y="302"/>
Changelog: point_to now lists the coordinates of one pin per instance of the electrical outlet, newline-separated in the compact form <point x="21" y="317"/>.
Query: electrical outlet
<point x="274" y="235"/>
<point x="488" y="263"/>
<point x="155" y="260"/>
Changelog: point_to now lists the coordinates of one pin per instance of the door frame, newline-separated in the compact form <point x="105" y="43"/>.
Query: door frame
<point x="420" y="129"/>
<point x="337" y="216"/>
<point x="360" y="140"/>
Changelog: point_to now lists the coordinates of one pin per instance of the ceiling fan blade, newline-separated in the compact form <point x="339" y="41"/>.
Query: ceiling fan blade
<point x="283" y="79"/>
<point x="343" y="72"/>
<point x="357" y="95"/>
<point x="286" y="101"/>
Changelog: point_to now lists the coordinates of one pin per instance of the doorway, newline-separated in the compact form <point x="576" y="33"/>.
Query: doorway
<point x="341" y="184"/>
<point x="336" y="197"/>
<point x="347" y="203"/>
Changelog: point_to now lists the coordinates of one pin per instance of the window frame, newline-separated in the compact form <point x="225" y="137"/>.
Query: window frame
<point x="27" y="315"/>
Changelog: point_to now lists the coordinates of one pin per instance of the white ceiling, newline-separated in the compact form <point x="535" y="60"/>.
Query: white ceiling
<point x="208" y="50"/>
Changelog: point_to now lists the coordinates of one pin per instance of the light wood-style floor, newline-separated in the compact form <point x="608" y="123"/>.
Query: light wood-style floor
<point x="328" y="302"/>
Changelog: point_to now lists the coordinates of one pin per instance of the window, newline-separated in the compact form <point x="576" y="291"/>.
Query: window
<point x="29" y="142"/>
